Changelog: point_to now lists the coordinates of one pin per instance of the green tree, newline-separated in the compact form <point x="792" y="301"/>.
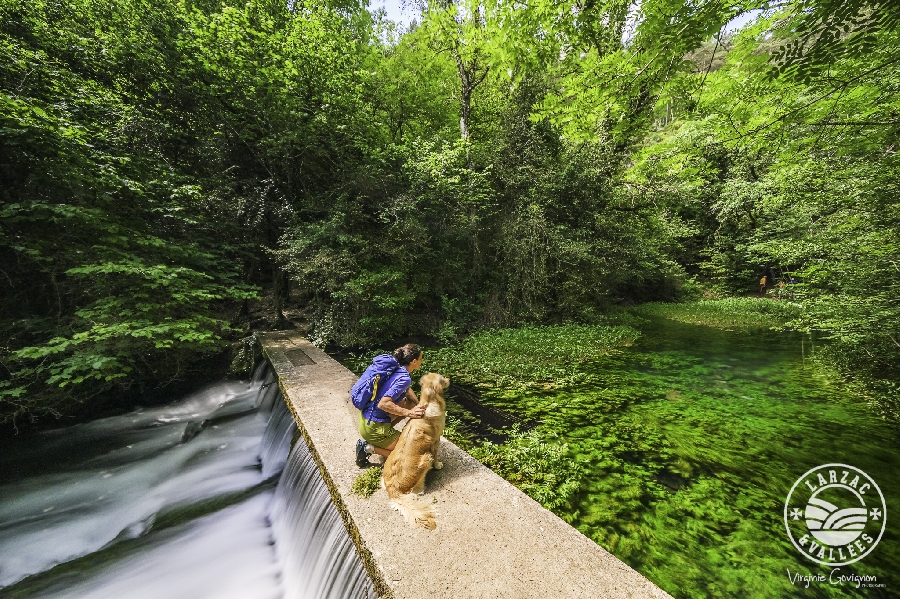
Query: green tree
<point x="798" y="176"/>
<point x="149" y="154"/>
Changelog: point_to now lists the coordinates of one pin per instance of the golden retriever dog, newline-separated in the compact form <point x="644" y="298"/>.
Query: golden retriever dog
<point x="415" y="454"/>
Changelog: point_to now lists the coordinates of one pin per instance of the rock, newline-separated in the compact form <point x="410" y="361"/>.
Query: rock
<point x="193" y="429"/>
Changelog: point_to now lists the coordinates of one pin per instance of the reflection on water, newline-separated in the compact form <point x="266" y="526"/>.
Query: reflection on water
<point x="170" y="502"/>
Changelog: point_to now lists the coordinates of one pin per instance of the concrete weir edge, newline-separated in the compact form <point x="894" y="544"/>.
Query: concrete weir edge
<point x="382" y="590"/>
<point x="492" y="540"/>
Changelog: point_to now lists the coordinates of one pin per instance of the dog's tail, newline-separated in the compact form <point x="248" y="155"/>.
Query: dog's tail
<point x="415" y="510"/>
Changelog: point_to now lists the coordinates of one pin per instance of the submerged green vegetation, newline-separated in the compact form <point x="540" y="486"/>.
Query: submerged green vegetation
<point x="503" y="177"/>
<point x="676" y="451"/>
<point x="529" y="357"/>
<point x="542" y="467"/>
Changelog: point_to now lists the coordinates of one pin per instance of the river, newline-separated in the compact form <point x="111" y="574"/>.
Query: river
<point x="691" y="439"/>
<point x="213" y="496"/>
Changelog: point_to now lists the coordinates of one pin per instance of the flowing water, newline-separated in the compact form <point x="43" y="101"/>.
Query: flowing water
<point x="204" y="498"/>
<point x="691" y="440"/>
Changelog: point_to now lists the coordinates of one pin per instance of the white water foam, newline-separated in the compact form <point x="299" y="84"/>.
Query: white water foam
<point x="318" y="559"/>
<point x="226" y="555"/>
<point x="108" y="481"/>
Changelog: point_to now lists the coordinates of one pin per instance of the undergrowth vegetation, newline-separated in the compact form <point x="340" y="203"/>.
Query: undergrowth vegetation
<point x="726" y="313"/>
<point x="529" y="357"/>
<point x="366" y="483"/>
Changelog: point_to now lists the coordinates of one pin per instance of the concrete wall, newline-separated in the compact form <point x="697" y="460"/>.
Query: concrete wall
<point x="491" y="540"/>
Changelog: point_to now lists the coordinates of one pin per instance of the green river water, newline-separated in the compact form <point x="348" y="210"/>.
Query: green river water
<point x="691" y="441"/>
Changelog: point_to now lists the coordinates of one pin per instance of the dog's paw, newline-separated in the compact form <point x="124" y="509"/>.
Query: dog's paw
<point x="438" y="465"/>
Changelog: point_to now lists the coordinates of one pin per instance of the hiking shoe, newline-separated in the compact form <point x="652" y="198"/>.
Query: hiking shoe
<point x="362" y="456"/>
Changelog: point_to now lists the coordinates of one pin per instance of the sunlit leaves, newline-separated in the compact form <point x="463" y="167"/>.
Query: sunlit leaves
<point x="798" y="175"/>
<point x="529" y="357"/>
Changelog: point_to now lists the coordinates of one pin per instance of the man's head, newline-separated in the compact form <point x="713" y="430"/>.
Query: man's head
<point x="409" y="355"/>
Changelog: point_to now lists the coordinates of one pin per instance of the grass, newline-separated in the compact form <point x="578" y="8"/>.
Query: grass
<point x="368" y="482"/>
<point x="728" y="313"/>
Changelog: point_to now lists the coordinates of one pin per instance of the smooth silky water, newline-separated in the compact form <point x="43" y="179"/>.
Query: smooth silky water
<point x="691" y="440"/>
<point x="203" y="498"/>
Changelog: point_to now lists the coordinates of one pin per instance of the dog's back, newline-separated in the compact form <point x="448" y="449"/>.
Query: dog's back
<point x="414" y="455"/>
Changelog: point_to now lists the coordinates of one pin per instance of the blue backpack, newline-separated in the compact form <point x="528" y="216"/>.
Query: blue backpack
<point x="365" y="390"/>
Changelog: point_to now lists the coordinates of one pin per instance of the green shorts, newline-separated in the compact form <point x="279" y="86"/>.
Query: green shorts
<point x="379" y="434"/>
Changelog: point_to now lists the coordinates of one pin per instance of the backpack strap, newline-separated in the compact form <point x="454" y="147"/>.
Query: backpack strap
<point x="371" y="401"/>
<point x="374" y="391"/>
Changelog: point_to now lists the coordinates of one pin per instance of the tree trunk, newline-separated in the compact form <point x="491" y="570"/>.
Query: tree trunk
<point x="280" y="290"/>
<point x="465" y="96"/>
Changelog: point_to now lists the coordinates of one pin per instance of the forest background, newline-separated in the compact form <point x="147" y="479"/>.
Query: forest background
<point x="492" y="164"/>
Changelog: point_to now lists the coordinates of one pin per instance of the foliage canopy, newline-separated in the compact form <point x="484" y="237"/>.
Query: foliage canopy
<point x="494" y="164"/>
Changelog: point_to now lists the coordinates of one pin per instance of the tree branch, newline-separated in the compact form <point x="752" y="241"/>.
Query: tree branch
<point x="814" y="101"/>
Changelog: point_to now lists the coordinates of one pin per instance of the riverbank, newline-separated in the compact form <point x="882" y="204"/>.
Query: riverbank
<point x="726" y="313"/>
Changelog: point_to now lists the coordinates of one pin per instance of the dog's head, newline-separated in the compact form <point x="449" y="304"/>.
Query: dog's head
<point x="434" y="381"/>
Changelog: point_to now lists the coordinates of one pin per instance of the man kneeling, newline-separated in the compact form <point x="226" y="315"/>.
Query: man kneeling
<point x="393" y="400"/>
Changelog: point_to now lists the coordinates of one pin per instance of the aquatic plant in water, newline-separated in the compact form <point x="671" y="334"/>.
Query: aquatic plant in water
<point x="530" y="357"/>
<point x="539" y="466"/>
<point x="685" y="444"/>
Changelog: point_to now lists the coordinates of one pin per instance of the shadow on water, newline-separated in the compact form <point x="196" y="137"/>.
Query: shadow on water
<point x="483" y="422"/>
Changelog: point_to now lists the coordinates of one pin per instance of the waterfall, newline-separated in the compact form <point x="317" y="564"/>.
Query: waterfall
<point x="276" y="441"/>
<point x="318" y="559"/>
<point x="269" y="392"/>
<point x="176" y="501"/>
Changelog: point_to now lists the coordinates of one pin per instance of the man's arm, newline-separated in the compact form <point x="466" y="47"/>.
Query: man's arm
<point x="387" y="404"/>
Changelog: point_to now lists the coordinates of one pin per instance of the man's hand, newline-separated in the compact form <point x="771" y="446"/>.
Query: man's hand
<point x="417" y="412"/>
